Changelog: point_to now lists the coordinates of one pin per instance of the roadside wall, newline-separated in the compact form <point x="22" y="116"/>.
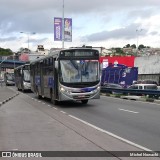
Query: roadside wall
<point x="148" y="67"/>
<point x="148" y="64"/>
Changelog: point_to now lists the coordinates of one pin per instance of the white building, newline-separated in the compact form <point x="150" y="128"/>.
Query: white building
<point x="41" y="50"/>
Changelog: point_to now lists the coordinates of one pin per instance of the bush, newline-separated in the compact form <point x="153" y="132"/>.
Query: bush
<point x="107" y="94"/>
<point x="117" y="95"/>
<point x="149" y="99"/>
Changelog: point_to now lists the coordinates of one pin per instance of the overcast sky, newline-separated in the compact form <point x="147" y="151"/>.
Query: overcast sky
<point x="107" y="23"/>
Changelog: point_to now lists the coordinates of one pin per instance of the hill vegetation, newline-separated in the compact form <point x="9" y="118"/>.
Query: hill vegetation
<point x="5" y="52"/>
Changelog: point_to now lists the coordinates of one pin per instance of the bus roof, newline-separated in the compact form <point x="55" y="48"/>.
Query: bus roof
<point x="27" y="64"/>
<point x="55" y="53"/>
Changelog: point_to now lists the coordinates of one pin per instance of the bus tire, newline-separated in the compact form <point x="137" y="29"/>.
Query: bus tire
<point x="55" y="102"/>
<point x="37" y="93"/>
<point x="23" y="90"/>
<point x="84" y="101"/>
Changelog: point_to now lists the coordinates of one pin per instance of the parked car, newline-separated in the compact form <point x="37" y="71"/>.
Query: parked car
<point x="147" y="81"/>
<point x="143" y="86"/>
<point x="112" y="85"/>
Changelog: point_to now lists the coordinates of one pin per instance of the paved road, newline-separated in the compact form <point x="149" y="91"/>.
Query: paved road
<point x="30" y="124"/>
<point x="134" y="121"/>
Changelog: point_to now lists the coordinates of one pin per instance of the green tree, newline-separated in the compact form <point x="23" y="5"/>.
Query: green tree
<point x="119" y="51"/>
<point x="5" y="52"/>
<point x="133" y="46"/>
<point x="141" y="46"/>
<point x="127" y="46"/>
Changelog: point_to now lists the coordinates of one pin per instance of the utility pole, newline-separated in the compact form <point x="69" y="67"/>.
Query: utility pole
<point x="63" y="24"/>
<point x="28" y="37"/>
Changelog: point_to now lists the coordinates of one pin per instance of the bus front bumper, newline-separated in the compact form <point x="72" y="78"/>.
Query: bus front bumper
<point x="64" y="95"/>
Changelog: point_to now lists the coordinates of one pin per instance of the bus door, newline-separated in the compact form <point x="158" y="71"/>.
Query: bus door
<point x="41" y="78"/>
<point x="55" y="85"/>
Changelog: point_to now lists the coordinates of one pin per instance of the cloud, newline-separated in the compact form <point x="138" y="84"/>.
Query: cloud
<point x="128" y="32"/>
<point x="18" y="15"/>
<point x="8" y="39"/>
<point x="93" y="20"/>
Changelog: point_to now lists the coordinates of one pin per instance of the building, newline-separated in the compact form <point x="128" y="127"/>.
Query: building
<point x="41" y="50"/>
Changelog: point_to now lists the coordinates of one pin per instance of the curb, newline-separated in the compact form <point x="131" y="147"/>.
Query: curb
<point x="133" y="98"/>
<point x="8" y="99"/>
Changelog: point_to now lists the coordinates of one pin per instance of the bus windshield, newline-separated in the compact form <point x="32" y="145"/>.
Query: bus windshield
<point x="74" y="71"/>
<point x="10" y="76"/>
<point x="26" y="75"/>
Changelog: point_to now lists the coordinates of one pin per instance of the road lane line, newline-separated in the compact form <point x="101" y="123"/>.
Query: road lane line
<point x="111" y="134"/>
<point x="63" y="112"/>
<point x="127" y="110"/>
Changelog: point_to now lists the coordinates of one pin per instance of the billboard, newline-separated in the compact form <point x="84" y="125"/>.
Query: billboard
<point x="57" y="29"/>
<point x="67" y="29"/>
<point x="125" y="60"/>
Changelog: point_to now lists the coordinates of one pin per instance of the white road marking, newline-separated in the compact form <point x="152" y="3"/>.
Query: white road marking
<point x="111" y="134"/>
<point x="63" y="112"/>
<point x="127" y="110"/>
<point x="15" y="149"/>
<point x="55" y="108"/>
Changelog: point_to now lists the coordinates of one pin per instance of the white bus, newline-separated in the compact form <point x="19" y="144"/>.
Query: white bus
<point x="9" y="78"/>
<point x="22" y="77"/>
<point x="70" y="74"/>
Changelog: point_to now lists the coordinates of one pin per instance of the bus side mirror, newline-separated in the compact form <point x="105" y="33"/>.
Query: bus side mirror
<point x="56" y="64"/>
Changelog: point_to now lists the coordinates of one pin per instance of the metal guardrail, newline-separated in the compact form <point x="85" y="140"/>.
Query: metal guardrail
<point x="131" y="91"/>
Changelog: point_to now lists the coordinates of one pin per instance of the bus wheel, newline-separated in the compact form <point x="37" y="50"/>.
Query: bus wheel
<point x="23" y="90"/>
<point x="55" y="102"/>
<point x="37" y="93"/>
<point x="84" y="101"/>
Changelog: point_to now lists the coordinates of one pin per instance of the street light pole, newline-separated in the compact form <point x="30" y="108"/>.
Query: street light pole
<point x="28" y="41"/>
<point x="138" y="31"/>
<point x="63" y="25"/>
<point x="28" y="37"/>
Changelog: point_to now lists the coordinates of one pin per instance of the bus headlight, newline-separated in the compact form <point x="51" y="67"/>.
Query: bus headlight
<point x="62" y="89"/>
<point x="24" y="83"/>
<point x="98" y="88"/>
<point x="65" y="90"/>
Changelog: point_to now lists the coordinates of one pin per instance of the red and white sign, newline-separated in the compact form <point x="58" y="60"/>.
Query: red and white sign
<point x="128" y="61"/>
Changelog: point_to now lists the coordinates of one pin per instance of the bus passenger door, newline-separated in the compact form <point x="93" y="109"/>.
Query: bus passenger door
<point x="41" y="79"/>
<point x="55" y="80"/>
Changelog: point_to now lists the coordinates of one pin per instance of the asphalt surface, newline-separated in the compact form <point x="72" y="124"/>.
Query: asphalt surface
<point x="133" y="120"/>
<point x="6" y="94"/>
<point x="30" y="124"/>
